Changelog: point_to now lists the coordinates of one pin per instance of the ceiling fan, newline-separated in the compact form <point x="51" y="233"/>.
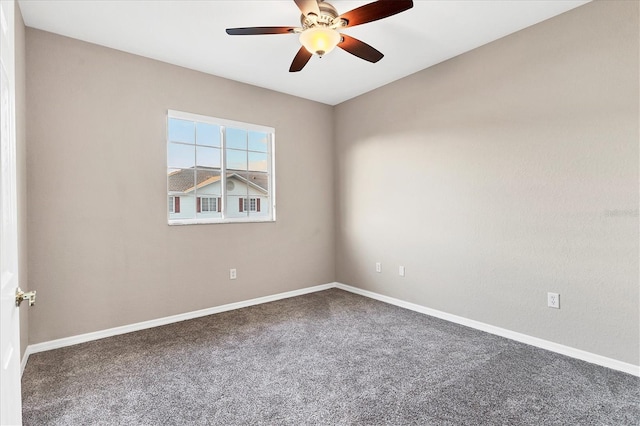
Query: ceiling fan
<point x="321" y="24"/>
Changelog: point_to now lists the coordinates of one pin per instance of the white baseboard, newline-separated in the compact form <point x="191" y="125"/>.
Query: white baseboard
<point x="519" y="337"/>
<point x="88" y="337"/>
<point x="25" y="358"/>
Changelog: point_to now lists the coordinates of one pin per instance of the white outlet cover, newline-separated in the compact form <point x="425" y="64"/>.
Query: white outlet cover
<point x="553" y="300"/>
<point x="401" y="271"/>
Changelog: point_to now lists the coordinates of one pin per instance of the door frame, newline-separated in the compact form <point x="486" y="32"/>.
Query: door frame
<point x="10" y="365"/>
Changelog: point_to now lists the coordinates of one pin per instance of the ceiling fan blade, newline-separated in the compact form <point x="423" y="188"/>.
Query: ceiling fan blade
<point x="360" y="49"/>
<point x="308" y="6"/>
<point x="260" y="30"/>
<point x="301" y="59"/>
<point x="374" y="11"/>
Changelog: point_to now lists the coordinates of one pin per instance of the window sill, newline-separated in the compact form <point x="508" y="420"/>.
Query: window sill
<point x="179" y="222"/>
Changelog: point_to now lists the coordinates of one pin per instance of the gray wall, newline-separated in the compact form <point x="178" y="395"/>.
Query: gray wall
<point x="502" y="174"/>
<point x="101" y="253"/>
<point x="21" y="171"/>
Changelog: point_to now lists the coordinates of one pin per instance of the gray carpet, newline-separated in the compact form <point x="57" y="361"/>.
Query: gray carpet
<point x="326" y="358"/>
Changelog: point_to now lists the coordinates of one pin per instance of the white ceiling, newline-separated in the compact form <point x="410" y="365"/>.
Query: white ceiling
<point x="192" y="34"/>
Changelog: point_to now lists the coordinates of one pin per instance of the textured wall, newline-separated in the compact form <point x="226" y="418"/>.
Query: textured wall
<point x="502" y="174"/>
<point x="101" y="253"/>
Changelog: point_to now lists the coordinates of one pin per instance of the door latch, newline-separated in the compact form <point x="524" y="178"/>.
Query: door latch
<point x="29" y="295"/>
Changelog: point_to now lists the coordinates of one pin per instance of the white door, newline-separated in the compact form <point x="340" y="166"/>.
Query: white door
<point x="11" y="409"/>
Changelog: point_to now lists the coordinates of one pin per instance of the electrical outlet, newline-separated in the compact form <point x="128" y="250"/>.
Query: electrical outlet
<point x="378" y="267"/>
<point x="232" y="274"/>
<point x="553" y="300"/>
<point x="401" y="271"/>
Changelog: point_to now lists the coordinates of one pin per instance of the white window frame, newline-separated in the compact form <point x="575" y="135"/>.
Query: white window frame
<point x="223" y="124"/>
<point x="172" y="204"/>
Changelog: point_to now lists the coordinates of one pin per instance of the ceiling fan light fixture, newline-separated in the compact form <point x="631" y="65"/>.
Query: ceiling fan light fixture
<point x="320" y="40"/>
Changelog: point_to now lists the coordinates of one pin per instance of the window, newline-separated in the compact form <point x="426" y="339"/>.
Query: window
<point x="219" y="170"/>
<point x="249" y="204"/>
<point x="208" y="204"/>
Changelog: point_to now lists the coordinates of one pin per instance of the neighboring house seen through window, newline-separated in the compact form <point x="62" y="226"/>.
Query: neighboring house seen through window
<point x="218" y="170"/>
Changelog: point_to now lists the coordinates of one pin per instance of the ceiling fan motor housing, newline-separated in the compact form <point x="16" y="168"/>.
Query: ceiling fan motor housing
<point x="327" y="16"/>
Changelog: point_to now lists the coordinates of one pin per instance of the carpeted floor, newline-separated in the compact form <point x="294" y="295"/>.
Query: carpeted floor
<point x="326" y="358"/>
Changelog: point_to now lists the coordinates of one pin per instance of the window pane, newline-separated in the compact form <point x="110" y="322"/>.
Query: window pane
<point x="236" y="207"/>
<point x="258" y="161"/>
<point x="180" y="181"/>
<point x="242" y="185"/>
<point x="236" y="160"/>
<point x="181" y="156"/>
<point x="250" y="195"/>
<point x="207" y="134"/>
<point x="208" y="182"/>
<point x="187" y="206"/>
<point x="236" y="138"/>
<point x="207" y="157"/>
<point x="262" y="207"/>
<point x="181" y="184"/>
<point x="208" y="192"/>
<point x="258" y="141"/>
<point x="181" y="131"/>
<point x="259" y="180"/>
